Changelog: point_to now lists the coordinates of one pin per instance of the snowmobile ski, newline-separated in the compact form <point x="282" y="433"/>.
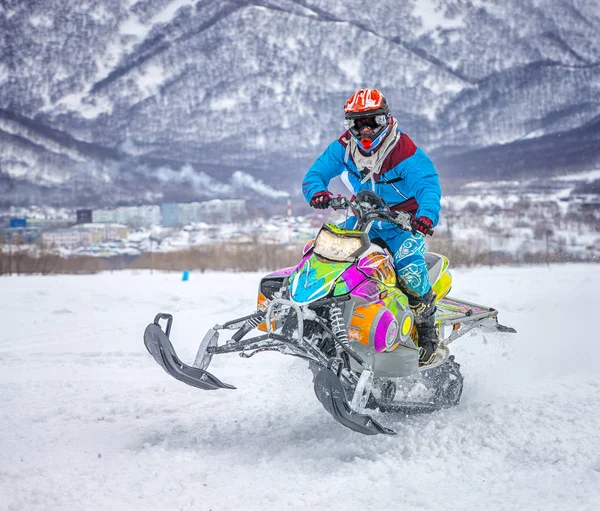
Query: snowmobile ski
<point x="159" y="346"/>
<point x="330" y="392"/>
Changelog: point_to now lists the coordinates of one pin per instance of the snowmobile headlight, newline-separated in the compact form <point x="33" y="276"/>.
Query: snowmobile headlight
<point x="338" y="244"/>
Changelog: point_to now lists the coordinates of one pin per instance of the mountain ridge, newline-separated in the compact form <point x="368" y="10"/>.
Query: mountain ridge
<point x="104" y="98"/>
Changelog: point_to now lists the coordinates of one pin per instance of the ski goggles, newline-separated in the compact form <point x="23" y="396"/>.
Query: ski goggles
<point x="373" y="122"/>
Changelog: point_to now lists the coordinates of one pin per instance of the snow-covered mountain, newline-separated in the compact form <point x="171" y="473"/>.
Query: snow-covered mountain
<point x="141" y="100"/>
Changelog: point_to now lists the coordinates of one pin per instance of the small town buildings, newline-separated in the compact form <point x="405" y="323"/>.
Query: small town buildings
<point x="84" y="235"/>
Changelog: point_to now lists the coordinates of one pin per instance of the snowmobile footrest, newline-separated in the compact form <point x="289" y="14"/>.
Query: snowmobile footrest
<point x="160" y="347"/>
<point x="330" y="391"/>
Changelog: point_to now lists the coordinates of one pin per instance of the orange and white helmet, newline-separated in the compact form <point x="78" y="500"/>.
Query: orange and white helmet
<point x="367" y="108"/>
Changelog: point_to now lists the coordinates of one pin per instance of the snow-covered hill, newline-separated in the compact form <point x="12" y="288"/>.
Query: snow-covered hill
<point x="100" y="101"/>
<point x="89" y="421"/>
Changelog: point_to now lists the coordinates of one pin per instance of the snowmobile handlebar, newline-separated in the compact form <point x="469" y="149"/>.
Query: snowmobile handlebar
<point x="368" y="208"/>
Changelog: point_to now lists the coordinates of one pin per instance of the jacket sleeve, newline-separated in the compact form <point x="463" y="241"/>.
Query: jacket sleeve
<point x="327" y="166"/>
<point x="421" y="176"/>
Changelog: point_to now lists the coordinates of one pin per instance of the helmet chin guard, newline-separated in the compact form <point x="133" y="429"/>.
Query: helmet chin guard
<point x="368" y="146"/>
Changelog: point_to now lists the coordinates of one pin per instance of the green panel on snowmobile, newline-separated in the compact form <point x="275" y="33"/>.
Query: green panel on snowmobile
<point x="315" y="279"/>
<point x="336" y="229"/>
<point x="341" y="288"/>
<point x="396" y="300"/>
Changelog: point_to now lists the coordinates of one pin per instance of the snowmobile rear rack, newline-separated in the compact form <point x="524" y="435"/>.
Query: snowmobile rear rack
<point x="463" y="316"/>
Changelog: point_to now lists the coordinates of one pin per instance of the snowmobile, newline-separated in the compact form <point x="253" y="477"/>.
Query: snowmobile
<point x="341" y="309"/>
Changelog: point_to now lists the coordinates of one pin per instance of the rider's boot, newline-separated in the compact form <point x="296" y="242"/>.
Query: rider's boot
<point x="423" y="308"/>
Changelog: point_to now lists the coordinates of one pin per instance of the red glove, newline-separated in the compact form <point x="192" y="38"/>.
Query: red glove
<point x="320" y="200"/>
<point x="421" y="224"/>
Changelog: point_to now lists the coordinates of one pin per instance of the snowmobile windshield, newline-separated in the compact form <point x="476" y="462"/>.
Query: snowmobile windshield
<point x="340" y="245"/>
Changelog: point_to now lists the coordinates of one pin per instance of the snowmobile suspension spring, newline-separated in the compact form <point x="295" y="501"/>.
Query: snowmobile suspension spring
<point x="337" y="323"/>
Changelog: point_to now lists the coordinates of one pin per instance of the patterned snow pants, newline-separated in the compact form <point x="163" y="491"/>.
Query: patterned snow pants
<point x="408" y="251"/>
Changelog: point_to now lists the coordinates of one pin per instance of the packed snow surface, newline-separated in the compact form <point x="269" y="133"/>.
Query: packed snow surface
<point x="89" y="421"/>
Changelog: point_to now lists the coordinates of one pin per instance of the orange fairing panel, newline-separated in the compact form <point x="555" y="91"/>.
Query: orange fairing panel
<point x="378" y="265"/>
<point x="361" y="321"/>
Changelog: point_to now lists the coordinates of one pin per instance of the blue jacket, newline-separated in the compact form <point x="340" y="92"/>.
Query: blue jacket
<point x="407" y="181"/>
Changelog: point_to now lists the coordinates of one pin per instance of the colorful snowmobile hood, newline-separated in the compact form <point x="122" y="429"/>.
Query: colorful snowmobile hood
<point x="315" y="279"/>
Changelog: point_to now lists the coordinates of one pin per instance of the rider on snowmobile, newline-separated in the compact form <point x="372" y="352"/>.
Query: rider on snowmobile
<point x="374" y="154"/>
